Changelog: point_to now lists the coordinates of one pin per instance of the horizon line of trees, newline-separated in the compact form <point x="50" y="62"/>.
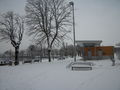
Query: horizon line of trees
<point x="33" y="50"/>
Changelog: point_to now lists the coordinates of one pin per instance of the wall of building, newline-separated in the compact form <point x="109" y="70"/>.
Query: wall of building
<point x="99" y="52"/>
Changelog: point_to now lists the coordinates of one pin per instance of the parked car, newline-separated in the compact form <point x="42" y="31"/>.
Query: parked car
<point x="37" y="59"/>
<point x="61" y="58"/>
<point x="5" y="61"/>
<point x="27" y="61"/>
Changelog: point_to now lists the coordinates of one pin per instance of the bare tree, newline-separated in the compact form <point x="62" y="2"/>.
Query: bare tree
<point x="12" y="29"/>
<point x="48" y="21"/>
<point x="32" y="50"/>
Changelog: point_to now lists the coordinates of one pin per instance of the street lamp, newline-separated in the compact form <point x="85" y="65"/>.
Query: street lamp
<point x="72" y="4"/>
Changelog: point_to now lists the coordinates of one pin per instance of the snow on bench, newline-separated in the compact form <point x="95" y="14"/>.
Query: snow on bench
<point x="81" y="66"/>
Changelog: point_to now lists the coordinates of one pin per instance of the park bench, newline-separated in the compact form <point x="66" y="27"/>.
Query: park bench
<point x="82" y="66"/>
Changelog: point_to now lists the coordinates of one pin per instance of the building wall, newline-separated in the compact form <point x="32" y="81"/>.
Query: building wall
<point x="117" y="51"/>
<point x="99" y="52"/>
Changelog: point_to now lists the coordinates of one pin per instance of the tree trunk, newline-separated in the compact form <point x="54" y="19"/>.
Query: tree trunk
<point x="49" y="55"/>
<point x="16" y="55"/>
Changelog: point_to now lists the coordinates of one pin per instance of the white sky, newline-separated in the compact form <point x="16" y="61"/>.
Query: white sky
<point x="95" y="20"/>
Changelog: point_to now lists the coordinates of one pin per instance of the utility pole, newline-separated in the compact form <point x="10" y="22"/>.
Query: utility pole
<point x="72" y="4"/>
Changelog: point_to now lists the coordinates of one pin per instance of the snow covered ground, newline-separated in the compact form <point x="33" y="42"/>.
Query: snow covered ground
<point x="55" y="76"/>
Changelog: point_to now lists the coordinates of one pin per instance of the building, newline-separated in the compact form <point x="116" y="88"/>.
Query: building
<point x="92" y="49"/>
<point x="117" y="51"/>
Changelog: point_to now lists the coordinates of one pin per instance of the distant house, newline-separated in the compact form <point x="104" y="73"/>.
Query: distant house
<point x="117" y="51"/>
<point x="92" y="49"/>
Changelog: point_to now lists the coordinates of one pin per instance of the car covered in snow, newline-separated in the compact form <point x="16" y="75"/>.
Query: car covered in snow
<point x="37" y="59"/>
<point x="5" y="61"/>
<point x="27" y="61"/>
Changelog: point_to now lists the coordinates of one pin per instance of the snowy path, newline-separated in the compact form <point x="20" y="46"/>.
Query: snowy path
<point x="55" y="76"/>
<point x="104" y="80"/>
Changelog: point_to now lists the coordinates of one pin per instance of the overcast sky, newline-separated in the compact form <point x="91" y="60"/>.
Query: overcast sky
<point x="95" y="20"/>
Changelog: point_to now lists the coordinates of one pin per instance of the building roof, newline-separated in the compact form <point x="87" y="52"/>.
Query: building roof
<point x="117" y="46"/>
<point x="88" y="42"/>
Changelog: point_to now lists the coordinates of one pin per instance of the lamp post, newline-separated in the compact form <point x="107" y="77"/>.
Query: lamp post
<point x="72" y="4"/>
